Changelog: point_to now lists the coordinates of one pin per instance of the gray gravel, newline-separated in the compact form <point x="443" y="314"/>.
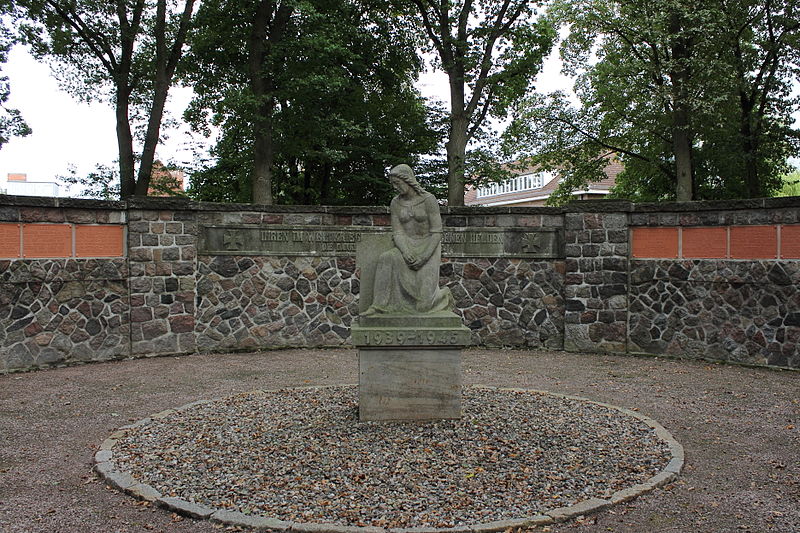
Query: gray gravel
<point x="740" y="428"/>
<point x="301" y="455"/>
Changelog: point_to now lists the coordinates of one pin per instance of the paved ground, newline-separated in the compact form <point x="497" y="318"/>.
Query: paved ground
<point x="740" y="428"/>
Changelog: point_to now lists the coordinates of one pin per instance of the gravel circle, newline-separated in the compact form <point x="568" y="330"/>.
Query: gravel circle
<point x="302" y="455"/>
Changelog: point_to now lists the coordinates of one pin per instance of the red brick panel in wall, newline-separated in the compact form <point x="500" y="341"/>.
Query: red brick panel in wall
<point x="46" y="240"/>
<point x="754" y="242"/>
<point x="655" y="242"/>
<point x="790" y="242"/>
<point x="98" y="241"/>
<point x="705" y="243"/>
<point x="9" y="241"/>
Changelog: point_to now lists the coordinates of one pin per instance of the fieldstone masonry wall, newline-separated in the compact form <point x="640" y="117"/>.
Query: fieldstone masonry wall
<point x="677" y="279"/>
<point x="729" y="310"/>
<point x="703" y="301"/>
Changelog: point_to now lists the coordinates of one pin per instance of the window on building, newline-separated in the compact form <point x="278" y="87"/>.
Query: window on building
<point x="525" y="182"/>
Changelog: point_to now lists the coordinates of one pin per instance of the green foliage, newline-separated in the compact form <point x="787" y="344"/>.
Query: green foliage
<point x="11" y="121"/>
<point x="102" y="183"/>
<point x="345" y="106"/>
<point x="791" y="185"/>
<point x="717" y="75"/>
<point x="491" y="52"/>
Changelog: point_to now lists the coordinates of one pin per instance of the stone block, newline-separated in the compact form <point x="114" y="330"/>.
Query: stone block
<point x="581" y="508"/>
<point x="573" y="221"/>
<point x="119" y="480"/>
<point x="113" y="217"/>
<point x="626" y="495"/>
<point x="615" y="221"/>
<point x="80" y="216"/>
<point x="261" y="523"/>
<point x="103" y="456"/>
<point x="141" y="254"/>
<point x="553" y="221"/>
<point x="143" y="491"/>
<point x="506" y="221"/>
<point x="397" y="383"/>
<point x="512" y="524"/>
<point x="185" y="508"/>
<point x="313" y="527"/>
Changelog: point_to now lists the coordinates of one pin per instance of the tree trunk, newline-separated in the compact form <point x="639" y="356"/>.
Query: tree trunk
<point x="263" y="158"/>
<point x="682" y="150"/>
<point x="261" y="174"/>
<point x="681" y="135"/>
<point x="267" y="31"/>
<point x="127" y="182"/>
<point x="152" y="136"/>
<point x="749" y="147"/>
<point x="457" y="142"/>
<point x="456" y="153"/>
<point x="166" y="62"/>
<point x="307" y="178"/>
<point x="325" y="186"/>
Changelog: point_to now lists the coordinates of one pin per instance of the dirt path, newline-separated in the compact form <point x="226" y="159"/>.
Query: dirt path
<point x="740" y="429"/>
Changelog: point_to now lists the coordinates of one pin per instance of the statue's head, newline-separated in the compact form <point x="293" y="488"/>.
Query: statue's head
<point x="404" y="172"/>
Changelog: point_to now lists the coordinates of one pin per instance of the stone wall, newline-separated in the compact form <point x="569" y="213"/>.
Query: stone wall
<point x="729" y="310"/>
<point x="724" y="283"/>
<point x="167" y="276"/>
<point x="162" y="255"/>
<point x="596" y="281"/>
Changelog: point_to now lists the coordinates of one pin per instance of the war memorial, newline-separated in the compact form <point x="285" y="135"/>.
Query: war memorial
<point x="408" y="437"/>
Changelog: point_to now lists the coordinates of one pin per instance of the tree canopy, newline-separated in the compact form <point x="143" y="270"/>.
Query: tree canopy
<point x="11" y="122"/>
<point x="121" y="51"/>
<point x="491" y="51"/>
<point x="311" y="101"/>
<point x="694" y="98"/>
<point x="318" y="115"/>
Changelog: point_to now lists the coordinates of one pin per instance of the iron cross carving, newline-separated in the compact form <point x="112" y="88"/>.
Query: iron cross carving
<point x="532" y="242"/>
<point x="232" y="240"/>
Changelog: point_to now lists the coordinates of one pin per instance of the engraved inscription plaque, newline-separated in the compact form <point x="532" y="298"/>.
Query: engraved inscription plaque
<point x="540" y="243"/>
<point x="281" y="240"/>
<point x="99" y="241"/>
<point x="9" y="240"/>
<point x="47" y="240"/>
<point x="377" y="337"/>
<point x="501" y="242"/>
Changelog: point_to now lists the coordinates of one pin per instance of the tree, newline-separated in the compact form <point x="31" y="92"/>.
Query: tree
<point x="102" y="183"/>
<point x="759" y="42"/>
<point x="491" y="51"/>
<point x="11" y="122"/>
<point x="123" y="51"/>
<point x="693" y="97"/>
<point x="791" y="184"/>
<point x="340" y="105"/>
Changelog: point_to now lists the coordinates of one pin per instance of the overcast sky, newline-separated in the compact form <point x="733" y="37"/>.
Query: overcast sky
<point x="67" y="132"/>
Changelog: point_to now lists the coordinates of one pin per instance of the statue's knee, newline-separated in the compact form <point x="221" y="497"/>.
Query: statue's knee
<point x="389" y="255"/>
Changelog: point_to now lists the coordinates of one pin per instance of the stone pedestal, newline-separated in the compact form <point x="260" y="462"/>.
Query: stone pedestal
<point x="409" y="366"/>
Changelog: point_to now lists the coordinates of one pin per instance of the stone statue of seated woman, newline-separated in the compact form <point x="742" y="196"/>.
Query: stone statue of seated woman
<point x="406" y="277"/>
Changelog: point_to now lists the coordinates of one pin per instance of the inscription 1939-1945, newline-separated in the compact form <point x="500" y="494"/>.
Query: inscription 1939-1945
<point x="341" y="241"/>
<point x="407" y="337"/>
